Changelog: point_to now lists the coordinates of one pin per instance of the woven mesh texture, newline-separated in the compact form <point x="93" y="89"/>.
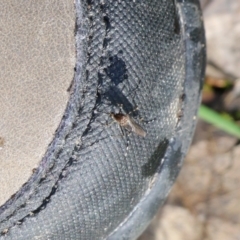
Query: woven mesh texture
<point x="130" y="60"/>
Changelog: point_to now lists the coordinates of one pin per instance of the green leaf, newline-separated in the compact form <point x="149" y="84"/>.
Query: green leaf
<point x="219" y="121"/>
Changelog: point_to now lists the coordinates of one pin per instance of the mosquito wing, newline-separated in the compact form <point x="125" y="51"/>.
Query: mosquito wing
<point x="136" y="128"/>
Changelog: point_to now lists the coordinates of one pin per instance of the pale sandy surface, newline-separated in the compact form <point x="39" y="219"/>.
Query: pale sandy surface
<point x="37" y="62"/>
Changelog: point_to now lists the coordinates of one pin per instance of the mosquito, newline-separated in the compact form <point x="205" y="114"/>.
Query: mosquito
<point x="125" y="121"/>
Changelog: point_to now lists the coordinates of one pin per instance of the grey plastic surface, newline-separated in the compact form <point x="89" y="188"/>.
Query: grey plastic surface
<point x="95" y="182"/>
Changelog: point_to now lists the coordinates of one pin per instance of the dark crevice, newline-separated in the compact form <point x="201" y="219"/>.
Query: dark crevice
<point x="89" y="3"/>
<point x="152" y="166"/>
<point x="176" y="24"/>
<point x="107" y="23"/>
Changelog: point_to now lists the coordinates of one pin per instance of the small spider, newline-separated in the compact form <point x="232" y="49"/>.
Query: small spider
<point x="125" y="121"/>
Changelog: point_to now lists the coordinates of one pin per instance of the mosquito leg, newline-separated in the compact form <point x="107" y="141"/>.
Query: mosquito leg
<point x="125" y="136"/>
<point x="134" y="110"/>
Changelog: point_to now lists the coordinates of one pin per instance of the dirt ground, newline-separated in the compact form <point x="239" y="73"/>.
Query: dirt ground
<point x="204" y="203"/>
